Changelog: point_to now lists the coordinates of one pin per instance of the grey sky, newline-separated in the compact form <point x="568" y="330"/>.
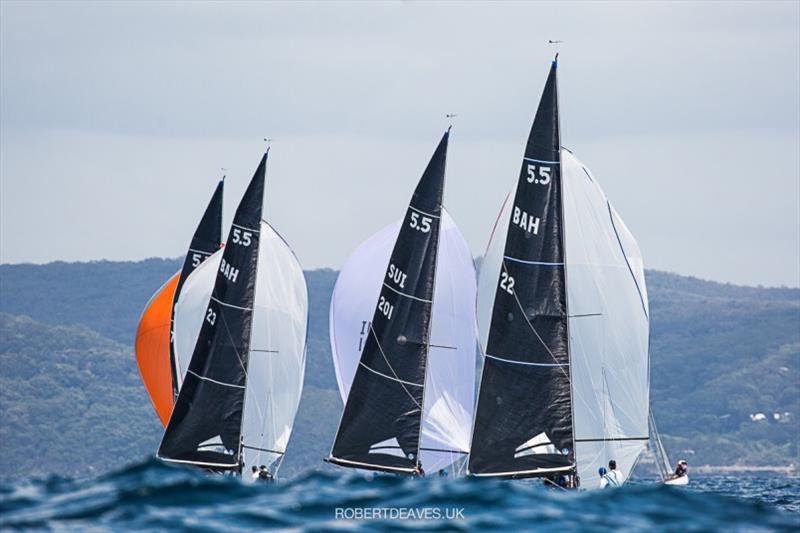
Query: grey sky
<point x="116" y="117"/>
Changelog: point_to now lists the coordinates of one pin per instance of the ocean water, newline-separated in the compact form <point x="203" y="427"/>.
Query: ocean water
<point x="154" y="496"/>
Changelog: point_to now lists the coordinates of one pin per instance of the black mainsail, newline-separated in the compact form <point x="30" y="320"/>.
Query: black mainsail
<point x="523" y="423"/>
<point x="206" y="425"/>
<point x="206" y="240"/>
<point x="380" y="426"/>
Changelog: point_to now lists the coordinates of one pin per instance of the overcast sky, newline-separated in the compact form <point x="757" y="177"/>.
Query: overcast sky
<point x="115" y="119"/>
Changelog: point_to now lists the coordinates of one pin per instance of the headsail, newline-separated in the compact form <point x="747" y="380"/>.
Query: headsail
<point x="609" y="328"/>
<point x="523" y="423"/>
<point x="154" y="336"/>
<point x="206" y="425"/>
<point x="381" y="425"/>
<point x="450" y="379"/>
<point x="206" y="240"/>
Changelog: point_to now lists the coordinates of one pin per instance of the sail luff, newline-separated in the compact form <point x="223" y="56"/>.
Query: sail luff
<point x="381" y="423"/>
<point x="566" y="271"/>
<point x="205" y="427"/>
<point x="523" y="424"/>
<point x="206" y="240"/>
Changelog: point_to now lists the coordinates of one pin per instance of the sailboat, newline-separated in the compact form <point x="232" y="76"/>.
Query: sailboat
<point x="403" y="340"/>
<point x="242" y="385"/>
<point x="155" y="352"/>
<point x="563" y="323"/>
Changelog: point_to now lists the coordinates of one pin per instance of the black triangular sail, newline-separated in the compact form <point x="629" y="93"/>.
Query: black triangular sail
<point x="523" y="421"/>
<point x="380" y="426"/>
<point x="206" y="424"/>
<point x="206" y="240"/>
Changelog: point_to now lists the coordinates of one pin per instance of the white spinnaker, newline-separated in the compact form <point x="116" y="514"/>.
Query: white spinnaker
<point x="277" y="353"/>
<point x="609" y="328"/>
<point x="450" y="376"/>
<point x="277" y="346"/>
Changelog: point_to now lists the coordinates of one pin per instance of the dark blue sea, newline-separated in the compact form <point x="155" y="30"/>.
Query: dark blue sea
<point x="152" y="496"/>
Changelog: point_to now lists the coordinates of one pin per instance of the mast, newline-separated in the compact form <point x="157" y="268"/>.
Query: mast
<point x="206" y="240"/>
<point x="380" y="428"/>
<point x="524" y="422"/>
<point x="206" y="425"/>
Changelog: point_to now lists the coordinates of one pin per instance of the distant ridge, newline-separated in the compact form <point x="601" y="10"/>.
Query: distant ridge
<point x="720" y="353"/>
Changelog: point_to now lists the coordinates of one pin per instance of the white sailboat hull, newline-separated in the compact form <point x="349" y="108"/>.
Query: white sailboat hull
<point x="679" y="481"/>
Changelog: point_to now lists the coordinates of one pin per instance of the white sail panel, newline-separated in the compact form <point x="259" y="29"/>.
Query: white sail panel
<point x="277" y="353"/>
<point x="608" y="326"/>
<point x="190" y="311"/>
<point x="450" y="376"/>
<point x="489" y="273"/>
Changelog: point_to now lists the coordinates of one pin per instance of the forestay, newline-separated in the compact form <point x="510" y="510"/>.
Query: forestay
<point x="449" y="385"/>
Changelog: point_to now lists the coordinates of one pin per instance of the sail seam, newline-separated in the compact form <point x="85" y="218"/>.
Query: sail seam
<point x="523" y="362"/>
<point x="389" y="377"/>
<point x="202" y="252"/>
<point x="541" y="161"/>
<point x="220" y="302"/>
<point x="420" y="211"/>
<point x="524" y="262"/>
<point x="406" y="295"/>
<point x="246" y="228"/>
<point x="195" y="374"/>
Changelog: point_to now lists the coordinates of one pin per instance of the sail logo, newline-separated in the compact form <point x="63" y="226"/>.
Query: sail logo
<point x="228" y="271"/>
<point x="525" y="221"/>
<point x="540" y="444"/>
<point x="388" y="447"/>
<point x="214" y="444"/>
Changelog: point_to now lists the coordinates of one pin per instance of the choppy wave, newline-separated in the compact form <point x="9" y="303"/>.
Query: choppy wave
<point x="153" y="496"/>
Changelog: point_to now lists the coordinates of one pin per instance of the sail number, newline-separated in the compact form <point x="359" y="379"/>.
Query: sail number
<point x="525" y="221"/>
<point x="211" y="316"/>
<point x="385" y="307"/>
<point x="228" y="271"/>
<point x="397" y="275"/>
<point x="196" y="260"/>
<point x="507" y="282"/>
<point x="542" y="177"/>
<point x="242" y="237"/>
<point x="420" y="223"/>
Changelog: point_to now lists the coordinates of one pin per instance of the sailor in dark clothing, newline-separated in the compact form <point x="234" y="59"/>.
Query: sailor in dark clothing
<point x="264" y="474"/>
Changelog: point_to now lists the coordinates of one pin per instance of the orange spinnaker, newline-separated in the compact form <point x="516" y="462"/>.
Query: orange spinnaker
<point x="152" y="348"/>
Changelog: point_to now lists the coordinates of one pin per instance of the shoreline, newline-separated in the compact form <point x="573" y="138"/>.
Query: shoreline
<point x="723" y="469"/>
